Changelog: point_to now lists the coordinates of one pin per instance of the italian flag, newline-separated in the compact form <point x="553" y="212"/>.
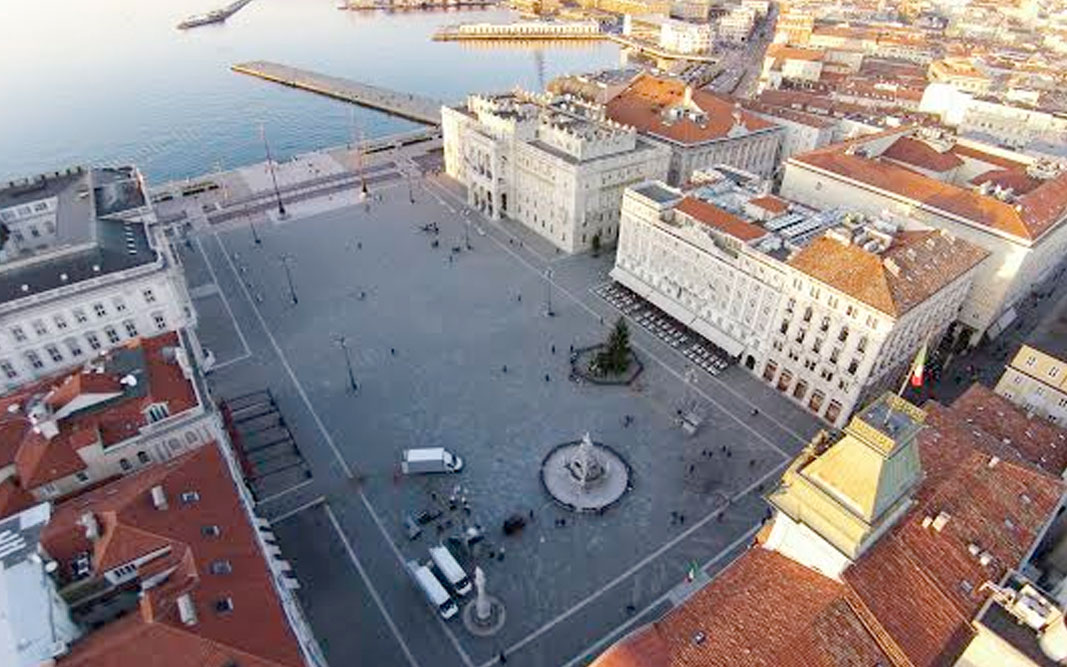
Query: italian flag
<point x="917" y="367"/>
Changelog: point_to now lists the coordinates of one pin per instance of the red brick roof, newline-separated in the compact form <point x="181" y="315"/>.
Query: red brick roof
<point x="1017" y="179"/>
<point x="921" y="154"/>
<point x="254" y="633"/>
<point x="1030" y="216"/>
<point x="13" y="498"/>
<point x="723" y="221"/>
<point x="770" y="203"/>
<point x="645" y="102"/>
<point x="39" y="460"/>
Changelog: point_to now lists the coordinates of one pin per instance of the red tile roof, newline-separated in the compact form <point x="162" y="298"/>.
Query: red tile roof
<point x="1017" y="179"/>
<point x="13" y="498"/>
<point x="1029" y="217"/>
<point x="770" y="203"/>
<point x="921" y="154"/>
<point x="644" y="104"/>
<point x="909" y="600"/>
<point x="723" y="221"/>
<point x="925" y="263"/>
<point x="764" y="610"/>
<point x="254" y="633"/>
<point x="39" y="460"/>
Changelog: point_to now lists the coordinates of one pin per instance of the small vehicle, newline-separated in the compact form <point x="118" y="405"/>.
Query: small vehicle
<point x="427" y="516"/>
<point x="429" y="460"/>
<point x="513" y="524"/>
<point x="435" y="593"/>
<point x="411" y="527"/>
<point x="450" y="569"/>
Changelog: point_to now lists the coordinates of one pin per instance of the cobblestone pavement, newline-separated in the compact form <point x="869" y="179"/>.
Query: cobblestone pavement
<point x="430" y="331"/>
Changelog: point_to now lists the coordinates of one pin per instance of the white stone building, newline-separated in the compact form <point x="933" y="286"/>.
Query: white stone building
<point x="699" y="127"/>
<point x="1003" y="201"/>
<point x="82" y="270"/>
<point x="685" y="37"/>
<point x="555" y="167"/>
<point x="1012" y="124"/>
<point x="735" y="26"/>
<point x="829" y="308"/>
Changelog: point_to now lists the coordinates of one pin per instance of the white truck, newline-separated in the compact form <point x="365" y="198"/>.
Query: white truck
<point x="435" y="593"/>
<point x="450" y="569"/>
<point x="429" y="460"/>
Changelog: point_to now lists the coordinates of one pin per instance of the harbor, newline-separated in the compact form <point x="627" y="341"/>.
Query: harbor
<point x="405" y="5"/>
<point x="405" y="105"/>
<point x="521" y="31"/>
<point x="214" y="16"/>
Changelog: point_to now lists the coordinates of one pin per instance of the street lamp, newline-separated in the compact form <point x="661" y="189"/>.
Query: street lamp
<point x="273" y="177"/>
<point x="342" y="342"/>
<point x="286" y="258"/>
<point x="548" y="294"/>
<point x="252" y="225"/>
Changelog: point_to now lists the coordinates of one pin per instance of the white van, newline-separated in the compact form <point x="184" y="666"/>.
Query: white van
<point x="428" y="460"/>
<point x="435" y="593"/>
<point x="450" y="569"/>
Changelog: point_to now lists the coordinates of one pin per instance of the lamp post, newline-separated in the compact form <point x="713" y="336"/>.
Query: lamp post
<point x="273" y="177"/>
<point x="342" y="342"/>
<point x="286" y="258"/>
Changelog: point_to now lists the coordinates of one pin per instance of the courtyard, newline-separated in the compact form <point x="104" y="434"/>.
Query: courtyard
<point x="450" y="345"/>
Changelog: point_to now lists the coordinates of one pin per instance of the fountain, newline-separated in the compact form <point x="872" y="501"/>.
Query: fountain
<point x="584" y="476"/>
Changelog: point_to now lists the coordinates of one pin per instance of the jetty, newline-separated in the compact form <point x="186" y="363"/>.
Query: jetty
<point x="405" y="105"/>
<point x="214" y="16"/>
<point x="521" y="31"/>
<point x="401" y="5"/>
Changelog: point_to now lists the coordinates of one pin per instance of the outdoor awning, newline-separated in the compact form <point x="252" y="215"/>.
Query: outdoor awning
<point x="679" y="312"/>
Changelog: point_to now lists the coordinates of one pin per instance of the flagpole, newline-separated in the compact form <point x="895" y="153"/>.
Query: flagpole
<point x="917" y="363"/>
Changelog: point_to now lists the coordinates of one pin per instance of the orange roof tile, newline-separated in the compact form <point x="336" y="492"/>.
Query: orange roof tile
<point x="924" y="262"/>
<point x="255" y="632"/>
<point x="921" y="154"/>
<point x="1037" y="211"/>
<point x="1018" y="180"/>
<point x="39" y="461"/>
<point x="725" y="222"/>
<point x="644" y="103"/>
<point x="770" y="203"/>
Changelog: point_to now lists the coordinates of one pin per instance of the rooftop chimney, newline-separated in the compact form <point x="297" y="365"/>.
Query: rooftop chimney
<point x="92" y="527"/>
<point x="186" y="610"/>
<point x="159" y="497"/>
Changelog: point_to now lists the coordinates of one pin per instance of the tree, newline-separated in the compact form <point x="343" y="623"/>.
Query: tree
<point x="596" y="244"/>
<point x="615" y="357"/>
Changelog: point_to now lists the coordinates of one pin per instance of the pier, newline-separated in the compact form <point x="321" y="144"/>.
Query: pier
<point x="214" y="16"/>
<point x="402" y="5"/>
<point x="412" y="107"/>
<point x="521" y="30"/>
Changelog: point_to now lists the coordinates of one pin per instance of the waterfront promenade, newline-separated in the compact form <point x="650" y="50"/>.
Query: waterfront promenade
<point x="413" y="107"/>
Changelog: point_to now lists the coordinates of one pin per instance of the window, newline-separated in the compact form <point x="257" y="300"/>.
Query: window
<point x="8" y="369"/>
<point x="817" y="345"/>
<point x="112" y="335"/>
<point x="784" y="327"/>
<point x="817" y="398"/>
<point x="825" y="325"/>
<point x="34" y="360"/>
<point x="79" y="316"/>
<point x="784" y="380"/>
<point x="835" y="354"/>
<point x="81" y="477"/>
<point x="853" y="366"/>
<point x="149" y="296"/>
<point x="142" y="458"/>
<point x="861" y="347"/>
<point x="161" y="322"/>
<point x="189" y="497"/>
<point x="18" y="334"/>
<point x="191" y="437"/>
<point x="221" y="567"/>
<point x="120" y="305"/>
<point x="224" y="605"/>
<point x="93" y="340"/>
<point x="807" y="314"/>
<point x="210" y="531"/>
<point x="769" y="371"/>
<point x="157" y="412"/>
<point x="800" y="390"/>
<point x="61" y="322"/>
<point x="131" y="328"/>
<point x="39" y="328"/>
<point x="1030" y="361"/>
<point x="833" y="411"/>
<point x="99" y="310"/>
<point x="125" y="465"/>
<point x="74" y="347"/>
<point x="54" y="352"/>
<point x="842" y="335"/>
<point x="1054" y="371"/>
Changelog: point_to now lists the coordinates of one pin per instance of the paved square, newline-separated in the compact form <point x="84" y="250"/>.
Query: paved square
<point x="431" y="331"/>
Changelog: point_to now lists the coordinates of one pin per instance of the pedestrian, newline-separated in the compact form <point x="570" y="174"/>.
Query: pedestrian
<point x="505" y="368"/>
<point x="630" y="609"/>
<point x="359" y="245"/>
<point x="553" y="349"/>
<point x="531" y="515"/>
<point x="392" y="351"/>
<point x="546" y="377"/>
<point x="433" y="496"/>
<point x="691" y="468"/>
<point x="503" y="658"/>
<point x="572" y="349"/>
<point x="681" y="519"/>
<point x="755" y="411"/>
